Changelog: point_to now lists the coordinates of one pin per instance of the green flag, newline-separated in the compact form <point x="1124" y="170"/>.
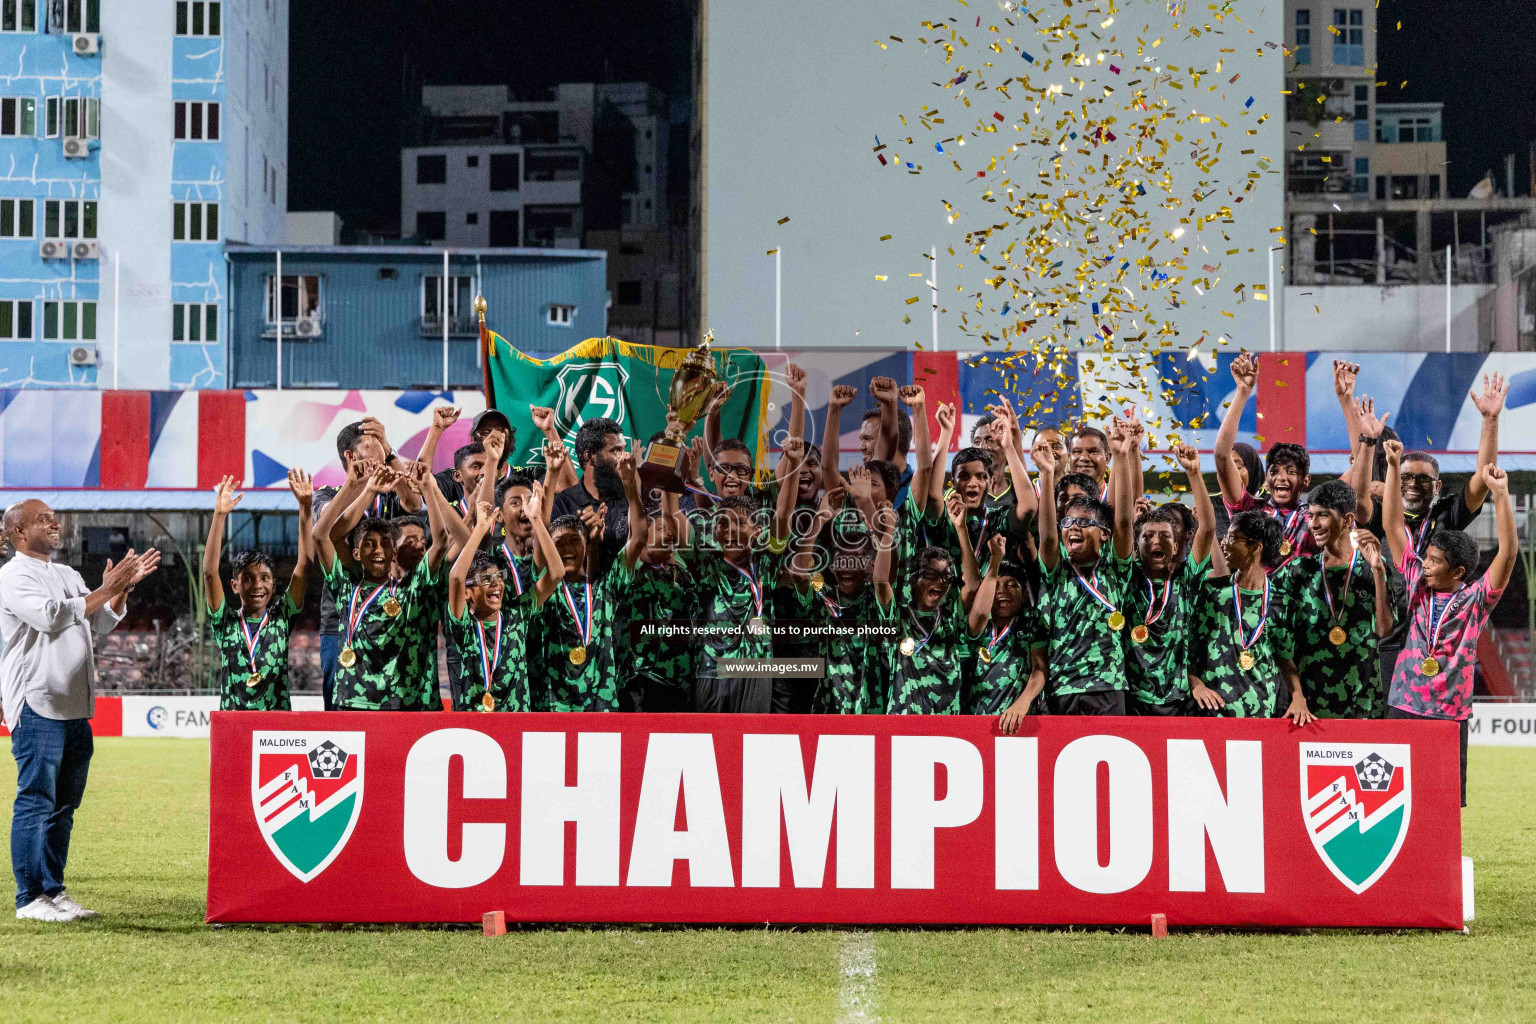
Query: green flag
<point x="606" y="377"/>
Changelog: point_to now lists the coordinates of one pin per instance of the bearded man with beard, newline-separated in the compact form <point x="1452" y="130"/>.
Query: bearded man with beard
<point x="600" y="492"/>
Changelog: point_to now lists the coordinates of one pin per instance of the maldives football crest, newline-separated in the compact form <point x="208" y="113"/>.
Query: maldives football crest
<point x="1356" y="798"/>
<point x="307" y="790"/>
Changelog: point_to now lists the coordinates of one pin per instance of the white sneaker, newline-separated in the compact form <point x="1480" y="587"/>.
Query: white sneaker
<point x="42" y="909"/>
<point x="69" y="906"/>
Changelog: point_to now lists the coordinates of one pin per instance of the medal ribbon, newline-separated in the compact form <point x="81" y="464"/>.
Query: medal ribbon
<point x="832" y="606"/>
<point x="1437" y="614"/>
<point x="752" y="584"/>
<point x="997" y="637"/>
<point x="1237" y="605"/>
<point x="1418" y="542"/>
<point x="1162" y="605"/>
<point x="355" y="612"/>
<point x="517" y="579"/>
<point x="252" y="640"/>
<point x="976" y="544"/>
<point x="463" y="506"/>
<point x="1092" y="586"/>
<point x="585" y="631"/>
<point x="1334" y="616"/>
<point x="917" y="627"/>
<point x="377" y="508"/>
<point x="488" y="667"/>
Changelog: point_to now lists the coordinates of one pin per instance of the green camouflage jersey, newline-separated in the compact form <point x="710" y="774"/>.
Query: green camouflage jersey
<point x="1338" y="680"/>
<point x="857" y="665"/>
<point x="1085" y="655"/>
<point x="418" y="648"/>
<point x="982" y="525"/>
<point x="725" y="600"/>
<point x="1215" y="650"/>
<point x="1158" y="667"/>
<point x="590" y="683"/>
<point x="664" y="593"/>
<point x="928" y="681"/>
<point x="239" y="662"/>
<point x="508" y="690"/>
<point x="519" y="569"/>
<point x="374" y="681"/>
<point x="994" y="680"/>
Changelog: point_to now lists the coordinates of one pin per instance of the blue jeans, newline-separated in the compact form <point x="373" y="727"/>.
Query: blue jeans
<point x="330" y="650"/>
<point x="52" y="761"/>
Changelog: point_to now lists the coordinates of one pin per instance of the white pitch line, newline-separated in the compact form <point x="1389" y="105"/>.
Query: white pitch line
<point x="856" y="993"/>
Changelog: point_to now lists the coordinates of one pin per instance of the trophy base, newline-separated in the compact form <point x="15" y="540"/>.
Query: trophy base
<point x="663" y="468"/>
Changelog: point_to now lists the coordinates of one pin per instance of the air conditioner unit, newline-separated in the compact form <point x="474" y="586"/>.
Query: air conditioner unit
<point x="82" y="355"/>
<point x="77" y="149"/>
<point x="53" y="249"/>
<point x="86" y="249"/>
<point x="306" y="327"/>
<point x="86" y="44"/>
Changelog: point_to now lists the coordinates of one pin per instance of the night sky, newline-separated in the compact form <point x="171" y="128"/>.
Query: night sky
<point x="357" y="66"/>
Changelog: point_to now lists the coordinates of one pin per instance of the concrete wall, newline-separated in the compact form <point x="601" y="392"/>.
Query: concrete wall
<point x="1407" y="318"/>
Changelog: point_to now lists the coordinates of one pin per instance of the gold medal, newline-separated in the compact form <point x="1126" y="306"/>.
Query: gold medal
<point x="1337" y="636"/>
<point x="1245" y="660"/>
<point x="1140" y="633"/>
<point x="1116" y="620"/>
<point x="757" y="625"/>
<point x="578" y="655"/>
<point x="1430" y="667"/>
<point x="908" y="646"/>
<point x="1285" y="549"/>
<point x="347" y="658"/>
<point x="487" y="703"/>
<point x="253" y="680"/>
<point x="985" y="654"/>
<point x="817" y="581"/>
<point x="392" y="608"/>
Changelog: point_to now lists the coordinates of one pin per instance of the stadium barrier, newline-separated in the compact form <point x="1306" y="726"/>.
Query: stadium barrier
<point x="368" y="817"/>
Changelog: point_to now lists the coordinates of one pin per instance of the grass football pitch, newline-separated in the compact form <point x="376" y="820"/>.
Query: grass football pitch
<point x="139" y="858"/>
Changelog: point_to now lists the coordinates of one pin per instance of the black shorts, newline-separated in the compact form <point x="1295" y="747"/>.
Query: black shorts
<point x="1105" y="702"/>
<point x="1465" y="724"/>
<point x="745" y="695"/>
<point x="1173" y="709"/>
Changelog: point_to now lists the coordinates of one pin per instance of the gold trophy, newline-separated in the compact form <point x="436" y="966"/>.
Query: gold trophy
<point x="687" y="398"/>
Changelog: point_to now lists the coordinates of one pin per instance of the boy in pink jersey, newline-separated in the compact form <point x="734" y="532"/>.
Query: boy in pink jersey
<point x="1447" y="610"/>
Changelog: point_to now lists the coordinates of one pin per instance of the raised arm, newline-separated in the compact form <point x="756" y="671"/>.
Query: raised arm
<point x="1364" y="464"/>
<point x="630" y="476"/>
<point x="460" y="572"/>
<point x="803" y="563"/>
<point x="861" y="491"/>
<point x="1205" y="513"/>
<point x="914" y="397"/>
<point x="1490" y="403"/>
<point x="1045" y="466"/>
<point x="1344" y="375"/>
<point x="1245" y="374"/>
<point x="1370" y="549"/>
<point x="304" y="493"/>
<point x="544" y="420"/>
<point x="978" y="604"/>
<point x="1392" y="522"/>
<point x="1025" y="502"/>
<point x="557" y="462"/>
<point x="443" y="417"/>
<point x="885" y="543"/>
<point x="791" y="458"/>
<point x="442" y="520"/>
<point x="969" y="574"/>
<point x="538" y="513"/>
<point x="883" y="391"/>
<point x="794" y="376"/>
<point x="934" y="499"/>
<point x="325" y="545"/>
<point x="1128" y="460"/>
<point x="832" y="446"/>
<point x="224" y="501"/>
<point x="717" y="399"/>
<point x="1503" y="565"/>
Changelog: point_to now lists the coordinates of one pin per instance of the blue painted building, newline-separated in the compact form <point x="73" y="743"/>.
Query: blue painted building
<point x="136" y="137"/>
<point x="361" y="317"/>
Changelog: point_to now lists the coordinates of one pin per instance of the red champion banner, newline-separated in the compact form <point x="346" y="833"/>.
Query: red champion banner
<point x="346" y="816"/>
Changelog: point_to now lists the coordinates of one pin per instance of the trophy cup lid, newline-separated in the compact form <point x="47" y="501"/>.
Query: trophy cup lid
<point x="700" y="356"/>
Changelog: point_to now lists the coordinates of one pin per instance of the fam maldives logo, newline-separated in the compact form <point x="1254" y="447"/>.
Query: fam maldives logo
<point x="1356" y="799"/>
<point x="307" y="790"/>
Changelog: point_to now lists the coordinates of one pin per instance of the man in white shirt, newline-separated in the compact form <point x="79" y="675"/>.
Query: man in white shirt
<point x="47" y="671"/>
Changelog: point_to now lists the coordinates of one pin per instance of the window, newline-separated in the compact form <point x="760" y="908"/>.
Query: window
<point x="82" y="118"/>
<point x="195" y="222"/>
<point x="197" y="18"/>
<point x="504" y="229"/>
<point x="19" y="16"/>
<point x="561" y="316"/>
<point x="194" y="321"/>
<point x="471" y="218"/>
<point x="432" y="169"/>
<point x="69" y="218"/>
<point x="472" y="161"/>
<point x="263" y="174"/>
<point x="18" y="116"/>
<point x="69" y="321"/>
<point x="1348" y="36"/>
<point x="431" y="225"/>
<point x="388" y="274"/>
<point x="1362" y="175"/>
<point x="274" y="184"/>
<point x="78" y="15"/>
<point x="1303" y="36"/>
<point x="505" y="173"/>
<point x="16" y="218"/>
<point x="15" y="319"/>
<point x="51" y="117"/>
<point x="460" y="299"/>
<point x="301" y="298"/>
<point x="629" y="293"/>
<point x="197" y="121"/>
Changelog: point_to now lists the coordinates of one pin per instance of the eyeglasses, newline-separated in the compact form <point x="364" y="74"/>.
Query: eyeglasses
<point x="1079" y="522"/>
<point x="733" y="469"/>
<point x="936" y="575"/>
<point x="487" y="579"/>
<point x="1423" y="479"/>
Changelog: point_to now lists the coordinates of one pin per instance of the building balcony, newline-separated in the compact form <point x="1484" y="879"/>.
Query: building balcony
<point x="459" y="326"/>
